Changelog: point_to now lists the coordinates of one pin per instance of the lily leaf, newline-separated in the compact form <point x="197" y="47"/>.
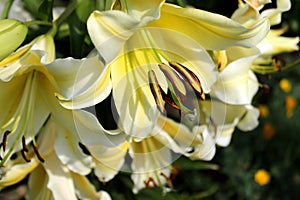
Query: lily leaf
<point x="41" y="9"/>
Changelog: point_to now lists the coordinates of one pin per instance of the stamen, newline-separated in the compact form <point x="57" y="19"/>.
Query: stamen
<point x="4" y="140"/>
<point x="190" y="77"/>
<point x="175" y="172"/>
<point x="24" y="156"/>
<point x="176" y="81"/>
<point x="169" y="181"/>
<point x="279" y="63"/>
<point x="25" y="148"/>
<point x="150" y="180"/>
<point x="156" y="91"/>
<point x="37" y="153"/>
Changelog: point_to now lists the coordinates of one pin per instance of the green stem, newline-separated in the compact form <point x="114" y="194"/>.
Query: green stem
<point x="269" y="70"/>
<point x="61" y="19"/>
<point x="71" y="7"/>
<point x="38" y="22"/>
<point x="6" y="9"/>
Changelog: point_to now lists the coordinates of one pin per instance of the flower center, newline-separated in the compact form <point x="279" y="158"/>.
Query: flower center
<point x="19" y="127"/>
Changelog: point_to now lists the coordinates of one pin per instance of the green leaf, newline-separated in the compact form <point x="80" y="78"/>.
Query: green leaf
<point x="77" y="26"/>
<point x="40" y="9"/>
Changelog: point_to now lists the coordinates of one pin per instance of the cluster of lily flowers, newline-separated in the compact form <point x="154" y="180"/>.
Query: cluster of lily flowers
<point x="179" y="80"/>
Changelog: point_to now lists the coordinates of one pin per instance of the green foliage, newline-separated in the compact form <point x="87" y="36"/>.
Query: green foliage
<point x="40" y="9"/>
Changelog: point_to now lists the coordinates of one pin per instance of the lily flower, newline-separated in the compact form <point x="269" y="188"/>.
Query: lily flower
<point x="151" y="158"/>
<point x="143" y="38"/>
<point x="32" y="84"/>
<point x="51" y="179"/>
<point x="151" y="63"/>
<point x="223" y="118"/>
<point x="273" y="43"/>
<point x="250" y="11"/>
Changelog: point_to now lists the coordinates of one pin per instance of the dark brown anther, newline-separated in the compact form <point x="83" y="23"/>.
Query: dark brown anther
<point x="190" y="77"/>
<point x="25" y="156"/>
<point x="37" y="153"/>
<point x="174" y="173"/>
<point x="4" y="140"/>
<point x="279" y="63"/>
<point x="150" y="180"/>
<point x="169" y="181"/>
<point x="1" y="158"/>
<point x="156" y="91"/>
<point x="25" y="148"/>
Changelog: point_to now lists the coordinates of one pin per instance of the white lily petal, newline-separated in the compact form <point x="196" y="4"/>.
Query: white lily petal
<point x="91" y="132"/>
<point x="108" y="160"/>
<point x="60" y="181"/>
<point x="68" y="150"/>
<point x="114" y="27"/>
<point x="37" y="184"/>
<point x="149" y="158"/>
<point x="85" y="189"/>
<point x="224" y="133"/>
<point x="144" y="10"/>
<point x="104" y="195"/>
<point x="45" y="43"/>
<point x="237" y="84"/>
<point x="81" y="83"/>
<point x="209" y="28"/>
<point x="207" y="150"/>
<point x="250" y="120"/>
<point x="15" y="171"/>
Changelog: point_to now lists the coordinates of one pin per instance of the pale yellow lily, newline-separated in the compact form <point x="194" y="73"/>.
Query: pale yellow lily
<point x="52" y="179"/>
<point x="250" y="11"/>
<point x="30" y="87"/>
<point x="153" y="156"/>
<point x="132" y="43"/>
<point x="222" y="119"/>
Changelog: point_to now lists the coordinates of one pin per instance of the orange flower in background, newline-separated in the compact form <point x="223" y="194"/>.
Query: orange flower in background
<point x="262" y="177"/>
<point x="290" y="105"/>
<point x="268" y="130"/>
<point x="263" y="110"/>
<point x="285" y="85"/>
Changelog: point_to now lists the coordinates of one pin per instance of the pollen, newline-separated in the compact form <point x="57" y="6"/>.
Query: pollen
<point x="285" y="85"/>
<point x="262" y="177"/>
<point x="268" y="131"/>
<point x="290" y="105"/>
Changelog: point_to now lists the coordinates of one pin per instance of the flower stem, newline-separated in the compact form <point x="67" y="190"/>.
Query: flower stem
<point x="37" y="22"/>
<point x="61" y="19"/>
<point x="6" y="9"/>
<point x="272" y="69"/>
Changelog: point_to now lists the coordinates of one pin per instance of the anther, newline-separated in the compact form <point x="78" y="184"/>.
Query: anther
<point x="175" y="172"/>
<point x="190" y="77"/>
<point x="175" y="80"/>
<point x="25" y="148"/>
<point x="37" y="153"/>
<point x="25" y="156"/>
<point x="156" y="91"/>
<point x="150" y="180"/>
<point x="169" y="181"/>
<point x="4" y="140"/>
<point x="279" y="63"/>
